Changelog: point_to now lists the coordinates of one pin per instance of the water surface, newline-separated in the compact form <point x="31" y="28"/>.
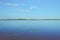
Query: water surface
<point x="29" y="29"/>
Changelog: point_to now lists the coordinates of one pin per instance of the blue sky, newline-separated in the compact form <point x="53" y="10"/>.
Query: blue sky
<point x="29" y="8"/>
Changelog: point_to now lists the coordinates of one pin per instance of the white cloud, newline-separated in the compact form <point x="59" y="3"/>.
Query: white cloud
<point x="12" y="4"/>
<point x="29" y="9"/>
<point x="24" y="10"/>
<point x="33" y="7"/>
<point x="18" y="6"/>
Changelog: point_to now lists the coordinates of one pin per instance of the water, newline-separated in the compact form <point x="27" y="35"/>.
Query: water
<point x="29" y="29"/>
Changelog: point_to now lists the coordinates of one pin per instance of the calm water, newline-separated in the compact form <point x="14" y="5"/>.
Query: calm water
<point x="29" y="29"/>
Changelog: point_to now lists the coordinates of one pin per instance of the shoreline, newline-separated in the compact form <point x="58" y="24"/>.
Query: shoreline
<point x="29" y="19"/>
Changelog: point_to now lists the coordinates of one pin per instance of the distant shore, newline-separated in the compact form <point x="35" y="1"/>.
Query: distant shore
<point x="29" y="19"/>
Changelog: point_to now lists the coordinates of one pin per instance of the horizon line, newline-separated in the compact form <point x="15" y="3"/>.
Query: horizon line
<point x="31" y="19"/>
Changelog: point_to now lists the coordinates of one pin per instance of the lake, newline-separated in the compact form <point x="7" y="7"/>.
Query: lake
<point x="29" y="29"/>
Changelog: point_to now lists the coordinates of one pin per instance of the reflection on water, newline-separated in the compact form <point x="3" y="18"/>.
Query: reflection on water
<point x="29" y="30"/>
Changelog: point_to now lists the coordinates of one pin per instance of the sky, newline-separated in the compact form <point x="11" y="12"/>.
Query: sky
<point x="29" y="8"/>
